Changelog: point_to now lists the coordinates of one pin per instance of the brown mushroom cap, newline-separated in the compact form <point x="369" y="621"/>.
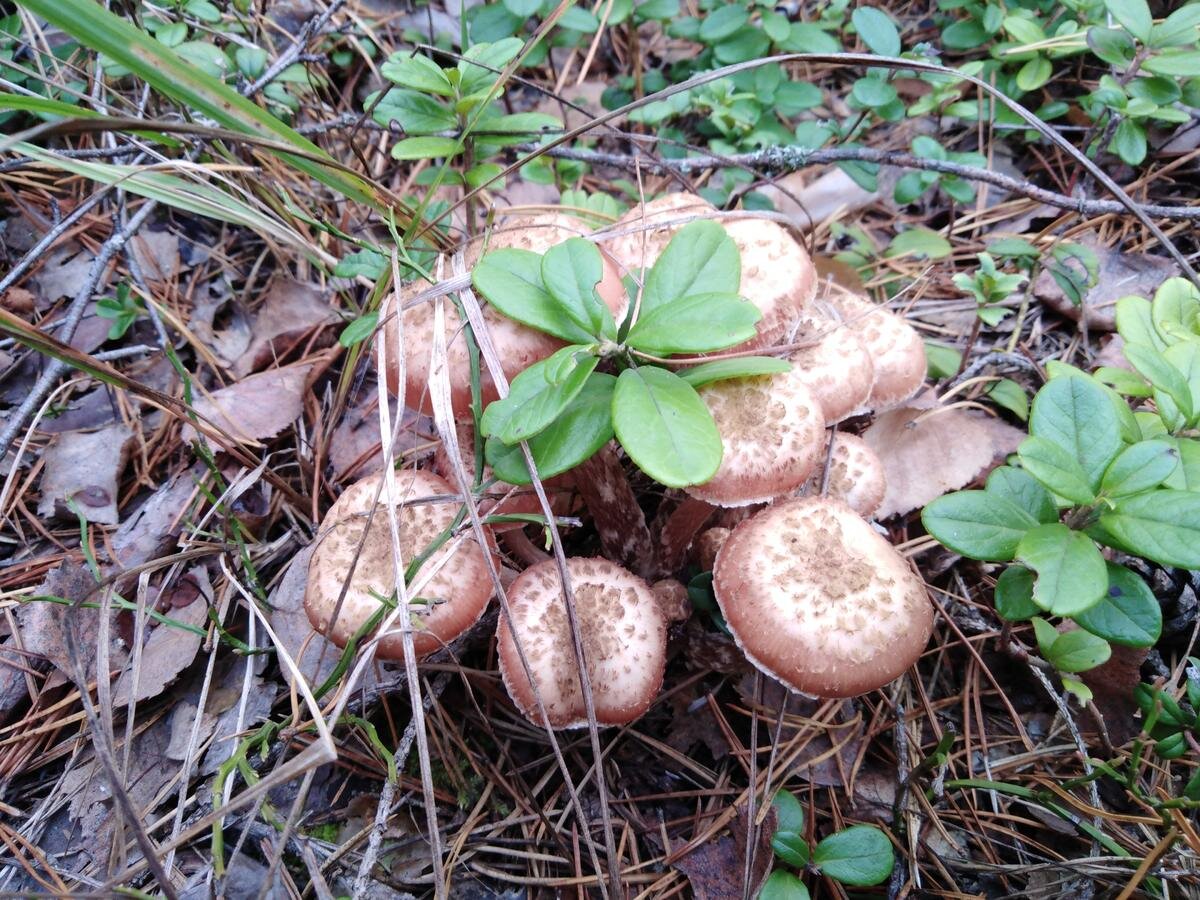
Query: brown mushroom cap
<point x="895" y="346"/>
<point x="856" y="475"/>
<point x="837" y="368"/>
<point x="639" y="249"/>
<point x="777" y="277"/>
<point x="517" y="345"/>
<point x="459" y="590"/>
<point x="819" y="601"/>
<point x="624" y="642"/>
<point x="772" y="430"/>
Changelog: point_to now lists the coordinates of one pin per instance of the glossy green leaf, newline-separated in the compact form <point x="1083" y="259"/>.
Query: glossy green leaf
<point x="1176" y="64"/>
<point x="738" y="367"/>
<point x="1021" y="488"/>
<point x="1185" y="358"/>
<point x="977" y="524"/>
<point x="359" y="330"/>
<point x="1070" y="570"/>
<point x="860" y="856"/>
<point x="789" y="812"/>
<point x="700" y="259"/>
<point x="1129" y="142"/>
<point x="511" y="280"/>
<point x="1014" y="594"/>
<point x="1056" y="469"/>
<point x="416" y="113"/>
<point x="1135" y="322"/>
<point x="417" y="72"/>
<point x="1132" y="15"/>
<point x="1162" y="525"/>
<point x="1078" y="651"/>
<point x="877" y="30"/>
<point x="581" y="429"/>
<point x="697" y="323"/>
<point x="1077" y="414"/>
<point x="1045" y="634"/>
<point x="722" y="22"/>
<point x="1142" y="467"/>
<point x="1180" y="28"/>
<point x="873" y="92"/>
<point x="1169" y="383"/>
<point x="1175" y="310"/>
<point x="478" y="62"/>
<point x="538" y="395"/>
<point x="425" y="148"/>
<point x="1186" y="476"/>
<point x="783" y="885"/>
<point x="1008" y="394"/>
<point x="665" y="427"/>
<point x="1112" y="45"/>
<point x="570" y="271"/>
<point x="1127" y="614"/>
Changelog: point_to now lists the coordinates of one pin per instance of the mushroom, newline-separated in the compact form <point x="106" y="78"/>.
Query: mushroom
<point x="450" y="602"/>
<point x="896" y="349"/>
<point x="518" y="345"/>
<point x="818" y="600"/>
<point x="856" y="475"/>
<point x="836" y="366"/>
<point x="641" y="247"/>
<point x="624" y="635"/>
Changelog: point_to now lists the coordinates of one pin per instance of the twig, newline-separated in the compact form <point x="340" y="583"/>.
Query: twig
<point x="1007" y="361"/>
<point x="299" y="46"/>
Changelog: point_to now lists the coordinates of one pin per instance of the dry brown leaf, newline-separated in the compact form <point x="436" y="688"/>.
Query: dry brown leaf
<point x="291" y="310"/>
<point x="61" y="275"/>
<point x="927" y="452"/>
<point x="810" y="201"/>
<point x="221" y="323"/>
<point x="157" y="254"/>
<point x="1112" y="687"/>
<point x="716" y="869"/>
<point x="257" y="407"/>
<point x="153" y="527"/>
<point x="84" y="467"/>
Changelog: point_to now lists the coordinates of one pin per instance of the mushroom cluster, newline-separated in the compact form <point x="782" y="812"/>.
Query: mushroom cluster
<point x="812" y="593"/>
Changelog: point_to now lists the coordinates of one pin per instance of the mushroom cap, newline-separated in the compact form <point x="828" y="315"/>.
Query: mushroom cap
<point x="624" y="636"/>
<point x="837" y="368"/>
<point x="895" y="346"/>
<point x="772" y="430"/>
<point x="460" y="589"/>
<point x="856" y="475"/>
<point x="639" y="249"/>
<point x="518" y="346"/>
<point x="818" y="600"/>
<point x="777" y="276"/>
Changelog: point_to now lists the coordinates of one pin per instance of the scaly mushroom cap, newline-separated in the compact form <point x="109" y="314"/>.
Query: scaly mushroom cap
<point x="517" y="345"/>
<point x="772" y="430"/>
<point x="628" y="249"/>
<point x="624" y="636"/>
<point x="856" y="475"/>
<point x="819" y="601"/>
<point x="451" y="602"/>
<point x="777" y="277"/>
<point x="895" y="347"/>
<point x="837" y="368"/>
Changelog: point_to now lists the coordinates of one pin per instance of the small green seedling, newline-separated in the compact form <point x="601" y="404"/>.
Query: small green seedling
<point x="990" y="288"/>
<point x="122" y="310"/>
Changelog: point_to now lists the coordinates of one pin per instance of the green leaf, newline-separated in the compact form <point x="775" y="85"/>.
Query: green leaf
<point x="359" y="330"/>
<point x="1176" y="64"/>
<point x="1078" y="651"/>
<point x="1019" y="487"/>
<point x="1124" y="382"/>
<point x="697" y="323"/>
<point x="1022" y="30"/>
<point x="538" y="395"/>
<point x="941" y="361"/>
<point x="475" y="78"/>
<point x="723" y="22"/>
<point x="1045" y="634"/>
<point x="789" y="842"/>
<point x="571" y="270"/>
<point x="1070" y="569"/>
<point x="1127" y="614"/>
<point x="1055" y="468"/>
<point x="1175" y="311"/>
<point x="783" y="885"/>
<point x="1078" y="415"/>
<point x="416" y="113"/>
<point x="418" y="72"/>
<point x="206" y="57"/>
<point x="1133" y="16"/>
<point x="1168" y="381"/>
<point x="582" y="428"/>
<point x="1162" y="525"/>
<point x="1178" y="29"/>
<point x="367" y="263"/>
<point x="859" y="856"/>
<point x="789" y="812"/>
<point x="700" y="259"/>
<point x="877" y="30"/>
<point x="873" y="92"/>
<point x="1014" y="594"/>
<point x="978" y="524"/>
<point x="1009" y="395"/>
<point x="1135" y="322"/>
<point x="1112" y="45"/>
<point x="425" y="148"/>
<point x="738" y="367"/>
<point x="1142" y="467"/>
<point x="1129" y="142"/>
<point x="1186" y="476"/>
<point x="921" y="243"/>
<point x="665" y="427"/>
<point x="511" y="280"/>
<point x="1034" y="73"/>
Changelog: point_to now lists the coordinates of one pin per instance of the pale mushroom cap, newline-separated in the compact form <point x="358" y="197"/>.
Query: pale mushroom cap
<point x="777" y="277"/>
<point x="895" y="346"/>
<point x="517" y="345"/>
<point x="772" y="430"/>
<point x="708" y="545"/>
<point x="856" y="475"/>
<point x="624" y="636"/>
<point x="461" y="587"/>
<point x="820" y="601"/>
<point x="641" y="248"/>
<point x="838" y="369"/>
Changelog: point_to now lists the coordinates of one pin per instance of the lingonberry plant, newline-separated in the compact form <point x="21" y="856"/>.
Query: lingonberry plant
<point x="566" y="408"/>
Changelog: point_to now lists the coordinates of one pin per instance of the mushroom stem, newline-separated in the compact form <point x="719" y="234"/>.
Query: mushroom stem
<point x="620" y="521"/>
<point x="517" y="542"/>
<point x="681" y="527"/>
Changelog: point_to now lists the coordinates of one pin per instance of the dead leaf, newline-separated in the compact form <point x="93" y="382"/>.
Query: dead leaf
<point x="290" y="312"/>
<point x="157" y="254"/>
<point x="154" y="525"/>
<point x="18" y="300"/>
<point x="237" y="716"/>
<point x="1112" y="687"/>
<point x="257" y="407"/>
<point x="84" y="467"/>
<point x="169" y="649"/>
<point x="62" y="273"/>
<point x="1121" y="274"/>
<point x="716" y="869"/>
<point x="927" y="452"/>
<point x="810" y="201"/>
<point x="222" y="324"/>
<point x="355" y="448"/>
